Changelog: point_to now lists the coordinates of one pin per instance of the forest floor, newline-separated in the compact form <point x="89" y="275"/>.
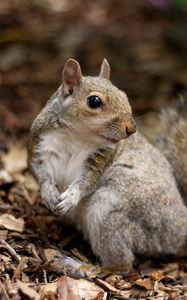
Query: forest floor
<point x="33" y="242"/>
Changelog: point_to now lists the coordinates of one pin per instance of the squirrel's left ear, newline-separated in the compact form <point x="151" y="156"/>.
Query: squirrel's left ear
<point x="71" y="76"/>
<point x="105" y="69"/>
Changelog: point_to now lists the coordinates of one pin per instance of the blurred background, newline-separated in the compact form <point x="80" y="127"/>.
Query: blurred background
<point x="144" y="41"/>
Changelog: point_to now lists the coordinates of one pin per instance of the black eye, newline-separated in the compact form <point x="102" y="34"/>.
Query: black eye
<point x="94" y="101"/>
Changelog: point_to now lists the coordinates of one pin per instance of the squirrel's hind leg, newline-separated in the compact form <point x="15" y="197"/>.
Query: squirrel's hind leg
<point x="106" y="230"/>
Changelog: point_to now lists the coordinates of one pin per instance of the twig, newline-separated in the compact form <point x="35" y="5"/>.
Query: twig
<point x="45" y="276"/>
<point x="10" y="250"/>
<point x="20" y="267"/>
<point x="6" y="297"/>
<point x="118" y="294"/>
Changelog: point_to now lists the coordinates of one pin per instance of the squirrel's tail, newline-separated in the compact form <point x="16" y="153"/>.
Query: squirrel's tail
<point x="172" y="141"/>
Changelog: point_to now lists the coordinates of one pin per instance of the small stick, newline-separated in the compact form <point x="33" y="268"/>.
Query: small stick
<point x="6" y="297"/>
<point x="45" y="276"/>
<point x="10" y="250"/>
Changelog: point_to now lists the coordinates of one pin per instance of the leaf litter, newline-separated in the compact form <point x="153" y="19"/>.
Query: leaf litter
<point x="34" y="243"/>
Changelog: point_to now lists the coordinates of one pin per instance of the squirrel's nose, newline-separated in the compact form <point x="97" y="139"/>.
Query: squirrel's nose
<point x="130" y="128"/>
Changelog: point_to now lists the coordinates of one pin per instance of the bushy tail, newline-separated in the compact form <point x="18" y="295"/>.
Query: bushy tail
<point x="172" y="141"/>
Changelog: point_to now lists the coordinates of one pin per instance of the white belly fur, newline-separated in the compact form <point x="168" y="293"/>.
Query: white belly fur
<point x="64" y="157"/>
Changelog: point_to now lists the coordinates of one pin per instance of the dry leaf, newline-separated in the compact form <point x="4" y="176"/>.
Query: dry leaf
<point x="67" y="290"/>
<point x="16" y="159"/>
<point x="49" y="287"/>
<point x="89" y="290"/>
<point x="5" y="177"/>
<point x="113" y="279"/>
<point x="28" y="291"/>
<point x="30" y="183"/>
<point x="5" y="258"/>
<point x="174" y="294"/>
<point x="3" y="234"/>
<point x="157" y="275"/>
<point x="145" y="283"/>
<point x="74" y="289"/>
<point x="11" y="223"/>
<point x="109" y="288"/>
<point x="79" y="255"/>
<point x="49" y="253"/>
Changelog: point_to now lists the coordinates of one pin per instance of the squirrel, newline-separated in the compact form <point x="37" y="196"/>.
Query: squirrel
<point x="95" y="169"/>
<point x="168" y="134"/>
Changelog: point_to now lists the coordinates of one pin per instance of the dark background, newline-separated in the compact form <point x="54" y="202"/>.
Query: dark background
<point x="144" y="41"/>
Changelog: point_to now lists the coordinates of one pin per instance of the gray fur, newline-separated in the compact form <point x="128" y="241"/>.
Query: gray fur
<point x="120" y="192"/>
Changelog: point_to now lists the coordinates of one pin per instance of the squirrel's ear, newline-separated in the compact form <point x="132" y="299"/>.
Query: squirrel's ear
<point x="71" y="76"/>
<point x="105" y="69"/>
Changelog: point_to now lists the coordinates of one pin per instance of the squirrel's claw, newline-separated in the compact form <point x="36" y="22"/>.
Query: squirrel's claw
<point x="50" y="196"/>
<point x="67" y="200"/>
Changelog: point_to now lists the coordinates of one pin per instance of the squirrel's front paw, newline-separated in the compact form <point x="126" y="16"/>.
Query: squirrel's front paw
<point x="67" y="200"/>
<point x="50" y="196"/>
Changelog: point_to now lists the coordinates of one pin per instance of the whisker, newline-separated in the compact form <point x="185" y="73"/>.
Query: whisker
<point x="140" y="117"/>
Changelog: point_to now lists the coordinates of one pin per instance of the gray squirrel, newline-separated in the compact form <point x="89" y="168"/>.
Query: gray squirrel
<point x="97" y="171"/>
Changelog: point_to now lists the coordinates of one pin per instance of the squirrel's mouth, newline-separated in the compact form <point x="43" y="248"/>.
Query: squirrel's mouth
<point x="110" y="140"/>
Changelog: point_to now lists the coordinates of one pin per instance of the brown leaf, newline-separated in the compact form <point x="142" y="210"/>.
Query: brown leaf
<point x="49" y="287"/>
<point x="79" y="255"/>
<point x="66" y="289"/>
<point x="11" y="223"/>
<point x="10" y="250"/>
<point x="49" y="253"/>
<point x="28" y="291"/>
<point x="89" y="290"/>
<point x="5" y="177"/>
<point x="3" y="234"/>
<point x="174" y="294"/>
<point x="73" y="289"/>
<point x="144" y="283"/>
<point x="15" y="160"/>
<point x="20" y="267"/>
<point x="113" y="279"/>
<point x="109" y="288"/>
<point x="157" y="275"/>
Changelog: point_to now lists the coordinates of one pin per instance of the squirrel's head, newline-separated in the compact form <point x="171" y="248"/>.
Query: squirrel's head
<point x="93" y="107"/>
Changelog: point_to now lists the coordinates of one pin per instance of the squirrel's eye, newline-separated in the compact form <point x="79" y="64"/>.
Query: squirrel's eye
<point x="94" y="101"/>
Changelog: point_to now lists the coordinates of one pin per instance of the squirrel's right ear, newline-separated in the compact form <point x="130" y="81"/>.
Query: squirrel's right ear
<point x="105" y="69"/>
<point x="71" y="76"/>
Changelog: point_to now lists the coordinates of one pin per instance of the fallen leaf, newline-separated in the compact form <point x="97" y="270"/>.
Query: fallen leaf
<point x="3" y="234"/>
<point x="16" y="159"/>
<point x="11" y="223"/>
<point x="30" y="183"/>
<point x="109" y="288"/>
<point x="144" y="283"/>
<point x="113" y="279"/>
<point x="48" y="287"/>
<point x="157" y="275"/>
<point x="28" y="291"/>
<point x="5" y="177"/>
<point x="5" y="258"/>
<point x="79" y="255"/>
<point x="67" y="290"/>
<point x="75" y="289"/>
<point x="49" y="253"/>
<point x="20" y="267"/>
<point x="174" y="295"/>
<point x="89" y="290"/>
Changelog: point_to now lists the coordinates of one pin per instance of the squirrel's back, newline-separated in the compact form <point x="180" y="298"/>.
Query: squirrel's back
<point x="172" y="141"/>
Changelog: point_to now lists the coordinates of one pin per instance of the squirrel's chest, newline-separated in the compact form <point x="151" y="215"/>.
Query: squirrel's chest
<point x="63" y="157"/>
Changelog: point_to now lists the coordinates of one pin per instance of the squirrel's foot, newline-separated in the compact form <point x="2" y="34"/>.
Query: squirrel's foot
<point x="49" y="196"/>
<point x="67" y="200"/>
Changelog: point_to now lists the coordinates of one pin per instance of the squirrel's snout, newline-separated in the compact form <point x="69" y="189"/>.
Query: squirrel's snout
<point x="130" y="128"/>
